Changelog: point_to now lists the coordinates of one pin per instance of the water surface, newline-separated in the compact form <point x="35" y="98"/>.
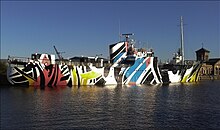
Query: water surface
<point x="183" y="106"/>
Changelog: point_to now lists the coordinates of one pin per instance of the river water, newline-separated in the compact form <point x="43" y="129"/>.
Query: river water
<point x="182" y="106"/>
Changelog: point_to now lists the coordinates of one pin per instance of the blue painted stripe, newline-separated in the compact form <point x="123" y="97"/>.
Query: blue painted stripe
<point x="136" y="76"/>
<point x="133" y="67"/>
<point x="118" y="57"/>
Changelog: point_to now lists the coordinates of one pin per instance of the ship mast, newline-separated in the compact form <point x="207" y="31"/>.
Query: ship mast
<point x="182" y="42"/>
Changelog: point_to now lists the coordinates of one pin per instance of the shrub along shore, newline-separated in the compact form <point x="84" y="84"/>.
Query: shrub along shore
<point x="3" y="74"/>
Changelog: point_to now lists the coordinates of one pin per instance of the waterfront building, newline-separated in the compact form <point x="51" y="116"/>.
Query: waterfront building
<point x="210" y="66"/>
<point x="202" y="54"/>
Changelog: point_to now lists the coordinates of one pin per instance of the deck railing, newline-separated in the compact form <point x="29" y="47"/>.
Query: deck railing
<point x="18" y="60"/>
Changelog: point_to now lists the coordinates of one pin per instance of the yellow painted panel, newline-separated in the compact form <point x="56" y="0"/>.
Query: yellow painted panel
<point x="184" y="79"/>
<point x="88" y="76"/>
<point x="74" y="76"/>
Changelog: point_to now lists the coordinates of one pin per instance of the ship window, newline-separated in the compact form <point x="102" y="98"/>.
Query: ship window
<point x="33" y="56"/>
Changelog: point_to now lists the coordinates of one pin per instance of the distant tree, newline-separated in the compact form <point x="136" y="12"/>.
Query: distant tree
<point x="3" y="68"/>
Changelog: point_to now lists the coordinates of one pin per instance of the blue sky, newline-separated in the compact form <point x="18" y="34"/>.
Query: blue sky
<point x="88" y="28"/>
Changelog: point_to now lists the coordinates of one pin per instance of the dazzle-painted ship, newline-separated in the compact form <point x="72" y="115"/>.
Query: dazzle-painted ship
<point x="128" y="65"/>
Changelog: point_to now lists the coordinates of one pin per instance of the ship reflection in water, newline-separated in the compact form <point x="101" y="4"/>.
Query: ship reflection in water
<point x="193" y="105"/>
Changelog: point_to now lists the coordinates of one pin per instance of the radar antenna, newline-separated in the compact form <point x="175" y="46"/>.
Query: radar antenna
<point x="127" y="35"/>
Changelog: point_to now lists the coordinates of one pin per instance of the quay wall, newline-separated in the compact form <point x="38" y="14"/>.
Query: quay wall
<point x="209" y="77"/>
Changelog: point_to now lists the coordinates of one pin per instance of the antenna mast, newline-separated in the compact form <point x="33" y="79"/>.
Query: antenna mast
<point x="182" y="42"/>
<point x="119" y="29"/>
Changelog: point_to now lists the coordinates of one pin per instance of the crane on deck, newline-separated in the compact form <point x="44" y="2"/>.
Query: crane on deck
<point x="58" y="53"/>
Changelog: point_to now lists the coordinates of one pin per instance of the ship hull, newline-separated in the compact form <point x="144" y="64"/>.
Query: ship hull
<point x="37" y="74"/>
<point x="183" y="73"/>
<point x="143" y="71"/>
